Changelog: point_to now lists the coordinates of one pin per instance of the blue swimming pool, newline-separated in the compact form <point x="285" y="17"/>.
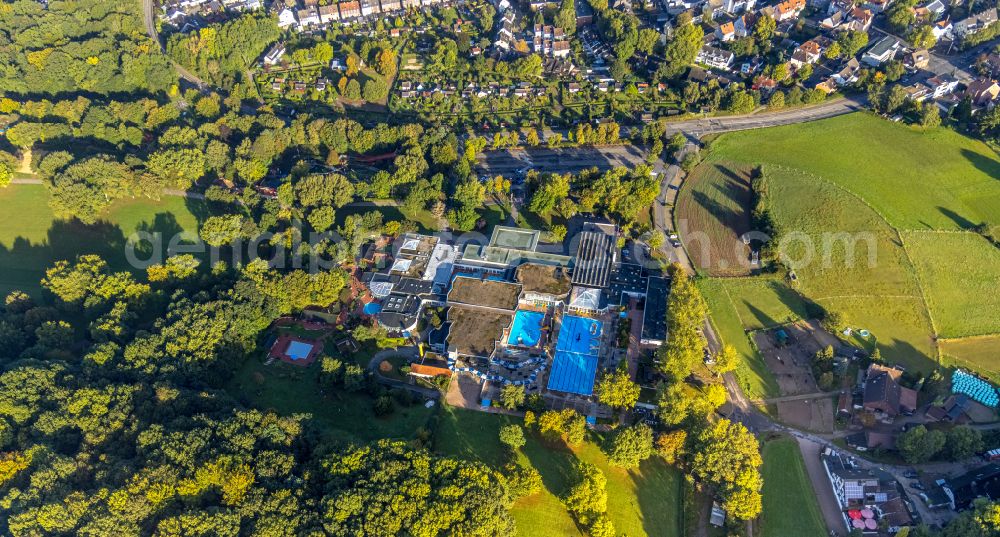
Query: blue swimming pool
<point x="298" y="350"/>
<point x="579" y="334"/>
<point x="574" y="365"/>
<point x="372" y="308"/>
<point x="526" y="329"/>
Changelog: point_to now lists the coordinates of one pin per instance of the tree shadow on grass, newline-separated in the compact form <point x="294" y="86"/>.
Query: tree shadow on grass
<point x="958" y="219"/>
<point x="23" y="263"/>
<point x="726" y="216"/>
<point x="649" y="481"/>
<point x="554" y="461"/>
<point x="984" y="164"/>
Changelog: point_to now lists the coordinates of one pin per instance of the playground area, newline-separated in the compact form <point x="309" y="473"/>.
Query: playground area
<point x="295" y="350"/>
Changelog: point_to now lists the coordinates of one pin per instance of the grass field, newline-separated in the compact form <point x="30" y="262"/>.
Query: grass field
<point x="857" y="199"/>
<point x="32" y="239"/>
<point x="341" y="416"/>
<point x="790" y="505"/>
<point x="979" y="353"/>
<point x="918" y="180"/>
<point x="961" y="275"/>
<point x="713" y="214"/>
<point x="646" y="501"/>
<point x="722" y="295"/>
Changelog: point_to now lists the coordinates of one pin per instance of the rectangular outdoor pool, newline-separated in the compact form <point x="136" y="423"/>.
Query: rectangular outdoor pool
<point x="526" y="329"/>
<point x="298" y="350"/>
<point x="574" y="365"/>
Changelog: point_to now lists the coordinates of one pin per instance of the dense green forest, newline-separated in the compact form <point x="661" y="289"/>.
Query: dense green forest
<point x="112" y="421"/>
<point x="86" y="46"/>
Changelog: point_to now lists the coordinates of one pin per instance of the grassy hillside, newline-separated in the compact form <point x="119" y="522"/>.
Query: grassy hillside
<point x="918" y="180"/>
<point x="872" y="208"/>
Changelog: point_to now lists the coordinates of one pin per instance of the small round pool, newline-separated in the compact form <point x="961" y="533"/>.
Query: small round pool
<point x="372" y="308"/>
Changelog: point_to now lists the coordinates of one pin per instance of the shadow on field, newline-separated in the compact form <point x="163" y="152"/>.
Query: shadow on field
<point x="724" y="215"/>
<point x="556" y="464"/>
<point x="986" y="165"/>
<point x="959" y="220"/>
<point x="907" y="356"/>
<point x="762" y="318"/>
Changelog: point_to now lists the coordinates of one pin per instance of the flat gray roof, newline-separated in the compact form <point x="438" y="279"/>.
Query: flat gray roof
<point x="516" y="238"/>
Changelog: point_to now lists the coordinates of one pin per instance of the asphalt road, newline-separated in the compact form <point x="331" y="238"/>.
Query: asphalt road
<point x="698" y="127"/>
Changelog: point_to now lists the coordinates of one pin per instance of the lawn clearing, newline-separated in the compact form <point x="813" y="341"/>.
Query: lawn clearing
<point x="713" y="212"/>
<point x="937" y="179"/>
<point x="339" y="415"/>
<point x="961" y="274"/>
<point x="790" y="505"/>
<point x="32" y="238"/>
<point x="645" y="501"/>
<point x="900" y="328"/>
<point x="979" y="353"/>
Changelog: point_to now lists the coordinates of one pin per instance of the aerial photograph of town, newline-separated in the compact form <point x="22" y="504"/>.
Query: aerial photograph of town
<point x="497" y="268"/>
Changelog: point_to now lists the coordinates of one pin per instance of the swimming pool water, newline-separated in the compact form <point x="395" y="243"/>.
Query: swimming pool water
<point x="574" y="365"/>
<point x="526" y="329"/>
<point x="298" y="350"/>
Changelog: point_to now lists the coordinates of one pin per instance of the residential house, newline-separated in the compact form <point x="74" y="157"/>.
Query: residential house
<point x="942" y="29"/>
<point x="884" y="395"/>
<point x="931" y="11"/>
<point x="286" y="18"/>
<point x="329" y="14"/>
<point x="941" y="85"/>
<point x="411" y="4"/>
<point x="982" y="91"/>
<point x="714" y="57"/>
<point x="877" y="6"/>
<point x="726" y="31"/>
<point x="369" y="7"/>
<point x="736" y="7"/>
<point x="573" y="87"/>
<point x="788" y="10"/>
<point x="391" y="5"/>
<point x="350" y="10"/>
<point x="952" y="409"/>
<point x="274" y="55"/>
<point x="976" y="23"/>
<point x="848" y="480"/>
<point x="848" y="73"/>
<point x="871" y="440"/>
<point x="917" y="59"/>
<point x="882" y="51"/>
<point x="992" y="64"/>
<point x="806" y="53"/>
<point x="308" y="18"/>
<point x="560" y="49"/>
<point x="859" y="20"/>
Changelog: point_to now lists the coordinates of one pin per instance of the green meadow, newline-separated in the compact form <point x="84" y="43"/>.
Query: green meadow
<point x="878" y="219"/>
